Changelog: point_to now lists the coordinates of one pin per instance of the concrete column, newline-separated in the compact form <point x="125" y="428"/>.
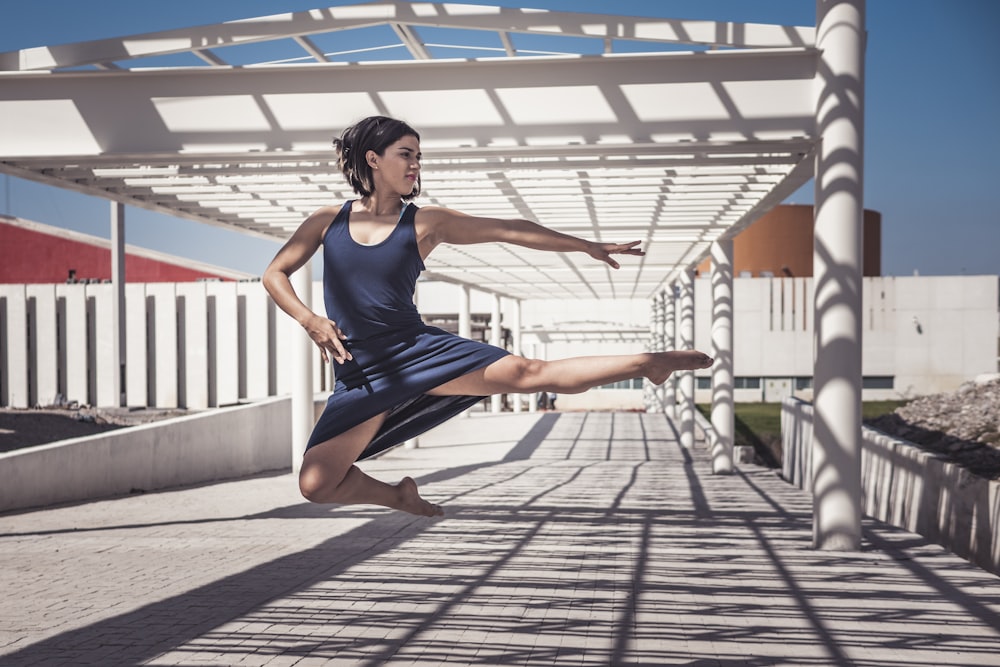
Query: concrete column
<point x="533" y="396"/>
<point x="496" y="400"/>
<point x="659" y="344"/>
<point x="118" y="301"/>
<point x="837" y="267"/>
<point x="464" y="316"/>
<point x="670" y="343"/>
<point x="303" y="413"/>
<point x="516" y="334"/>
<point x="649" y="390"/>
<point x="723" y="416"/>
<point x="686" y="380"/>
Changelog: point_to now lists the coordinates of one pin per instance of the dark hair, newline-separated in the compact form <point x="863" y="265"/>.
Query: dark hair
<point x="375" y="133"/>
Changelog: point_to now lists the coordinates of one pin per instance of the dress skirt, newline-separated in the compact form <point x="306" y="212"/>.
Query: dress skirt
<point x="392" y="373"/>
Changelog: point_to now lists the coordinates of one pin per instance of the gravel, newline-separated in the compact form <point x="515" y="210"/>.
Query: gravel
<point x="962" y="426"/>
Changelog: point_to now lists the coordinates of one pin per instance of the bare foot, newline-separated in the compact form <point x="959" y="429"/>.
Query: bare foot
<point x="662" y="364"/>
<point x="410" y="500"/>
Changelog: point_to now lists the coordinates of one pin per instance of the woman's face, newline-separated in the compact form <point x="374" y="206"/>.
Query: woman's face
<point x="397" y="170"/>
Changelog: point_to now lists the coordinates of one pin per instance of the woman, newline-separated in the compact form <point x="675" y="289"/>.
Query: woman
<point x="398" y="377"/>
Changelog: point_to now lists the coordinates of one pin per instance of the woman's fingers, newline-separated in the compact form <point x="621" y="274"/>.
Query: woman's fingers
<point x="328" y="336"/>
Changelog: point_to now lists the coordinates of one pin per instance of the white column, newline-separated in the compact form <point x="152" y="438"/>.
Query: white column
<point x="303" y="413"/>
<point x="840" y="38"/>
<point x="659" y="344"/>
<point x="118" y="303"/>
<point x="648" y="388"/>
<point x="670" y="343"/>
<point x="533" y="396"/>
<point x="496" y="400"/>
<point x="516" y="335"/>
<point x="464" y="316"/>
<point x="723" y="416"/>
<point x="686" y="342"/>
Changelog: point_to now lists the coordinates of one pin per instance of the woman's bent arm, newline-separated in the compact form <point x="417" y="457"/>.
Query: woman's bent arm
<point x="296" y="252"/>
<point x="447" y="226"/>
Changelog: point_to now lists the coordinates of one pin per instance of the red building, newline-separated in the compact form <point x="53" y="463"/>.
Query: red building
<point x="32" y="253"/>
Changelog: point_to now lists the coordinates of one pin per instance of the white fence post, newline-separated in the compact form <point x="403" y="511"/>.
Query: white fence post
<point x="14" y="364"/>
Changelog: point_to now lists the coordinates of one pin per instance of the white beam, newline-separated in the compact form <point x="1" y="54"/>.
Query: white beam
<point x="502" y="20"/>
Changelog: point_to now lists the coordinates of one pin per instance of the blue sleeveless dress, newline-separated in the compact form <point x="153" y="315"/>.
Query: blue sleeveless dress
<point x="368" y="290"/>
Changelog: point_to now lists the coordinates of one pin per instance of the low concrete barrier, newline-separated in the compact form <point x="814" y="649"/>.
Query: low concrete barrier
<point x="907" y="487"/>
<point x="220" y="444"/>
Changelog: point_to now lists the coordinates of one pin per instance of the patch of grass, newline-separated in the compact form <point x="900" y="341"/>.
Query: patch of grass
<point x="758" y="425"/>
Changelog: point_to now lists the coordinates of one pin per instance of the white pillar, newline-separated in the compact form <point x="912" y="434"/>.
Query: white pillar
<point x="837" y="267"/>
<point x="303" y="412"/>
<point x="686" y="342"/>
<point x="649" y="390"/>
<point x="670" y="343"/>
<point x="464" y="315"/>
<point x="659" y="344"/>
<point x="516" y="334"/>
<point x="496" y="400"/>
<point x="533" y="396"/>
<point x="723" y="416"/>
<point x="118" y="300"/>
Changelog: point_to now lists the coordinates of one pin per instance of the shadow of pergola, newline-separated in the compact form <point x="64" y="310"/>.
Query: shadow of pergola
<point x="598" y="540"/>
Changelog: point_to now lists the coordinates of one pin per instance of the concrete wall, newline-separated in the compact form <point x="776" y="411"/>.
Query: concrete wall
<point x="199" y="345"/>
<point x="908" y="487"/>
<point x="220" y="444"/>
<point x="929" y="334"/>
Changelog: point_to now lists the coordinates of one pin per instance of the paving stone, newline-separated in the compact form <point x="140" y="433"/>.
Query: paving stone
<point x="594" y="545"/>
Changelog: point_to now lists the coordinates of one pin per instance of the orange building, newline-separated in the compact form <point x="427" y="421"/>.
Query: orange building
<point x="780" y="243"/>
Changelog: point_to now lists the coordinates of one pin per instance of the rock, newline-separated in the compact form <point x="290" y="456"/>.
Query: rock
<point x="962" y="425"/>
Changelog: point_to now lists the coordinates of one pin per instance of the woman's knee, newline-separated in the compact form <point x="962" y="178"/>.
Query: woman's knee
<point x="316" y="484"/>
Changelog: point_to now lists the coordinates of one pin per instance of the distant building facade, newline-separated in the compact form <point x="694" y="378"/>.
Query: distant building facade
<point x="32" y="253"/>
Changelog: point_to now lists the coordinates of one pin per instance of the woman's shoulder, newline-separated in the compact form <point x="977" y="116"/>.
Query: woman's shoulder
<point x="321" y="219"/>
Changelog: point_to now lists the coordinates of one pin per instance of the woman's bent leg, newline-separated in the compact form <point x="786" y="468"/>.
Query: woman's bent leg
<point x="328" y="475"/>
<point x="571" y="376"/>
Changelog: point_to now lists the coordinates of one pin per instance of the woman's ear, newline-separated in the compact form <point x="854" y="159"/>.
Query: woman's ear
<point x="372" y="158"/>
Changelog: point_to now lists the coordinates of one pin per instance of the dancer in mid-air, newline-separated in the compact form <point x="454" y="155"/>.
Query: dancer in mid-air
<point x="398" y="377"/>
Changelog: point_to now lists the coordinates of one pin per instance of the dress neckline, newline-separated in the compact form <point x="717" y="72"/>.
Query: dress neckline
<point x="395" y="227"/>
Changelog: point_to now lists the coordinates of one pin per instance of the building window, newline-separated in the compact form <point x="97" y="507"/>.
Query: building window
<point x="746" y="383"/>
<point x="803" y="383"/>
<point x="635" y="383"/>
<point x="703" y="383"/>
<point x="878" y="382"/>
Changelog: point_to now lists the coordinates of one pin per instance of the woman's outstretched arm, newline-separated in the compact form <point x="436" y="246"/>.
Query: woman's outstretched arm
<point x="442" y="225"/>
<point x="296" y="252"/>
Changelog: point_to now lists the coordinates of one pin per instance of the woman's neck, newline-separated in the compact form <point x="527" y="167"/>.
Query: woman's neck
<point x="379" y="206"/>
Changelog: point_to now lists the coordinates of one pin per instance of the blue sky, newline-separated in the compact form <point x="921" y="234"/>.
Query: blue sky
<point x="932" y="144"/>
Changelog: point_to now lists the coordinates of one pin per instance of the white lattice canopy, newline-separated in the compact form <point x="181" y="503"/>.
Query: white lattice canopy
<point x="672" y="132"/>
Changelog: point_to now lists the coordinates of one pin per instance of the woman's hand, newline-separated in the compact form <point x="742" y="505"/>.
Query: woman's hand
<point x="603" y="251"/>
<point x="327" y="336"/>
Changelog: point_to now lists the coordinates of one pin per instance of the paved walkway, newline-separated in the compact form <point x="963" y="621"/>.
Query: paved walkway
<point x="570" y="539"/>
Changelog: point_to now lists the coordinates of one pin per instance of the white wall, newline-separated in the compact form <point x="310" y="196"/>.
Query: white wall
<point x="198" y="345"/>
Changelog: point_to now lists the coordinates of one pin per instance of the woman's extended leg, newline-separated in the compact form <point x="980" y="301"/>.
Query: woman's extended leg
<point x="328" y="475"/>
<point x="573" y="375"/>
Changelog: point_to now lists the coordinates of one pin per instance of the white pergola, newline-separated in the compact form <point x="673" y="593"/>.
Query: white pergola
<point x="677" y="133"/>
